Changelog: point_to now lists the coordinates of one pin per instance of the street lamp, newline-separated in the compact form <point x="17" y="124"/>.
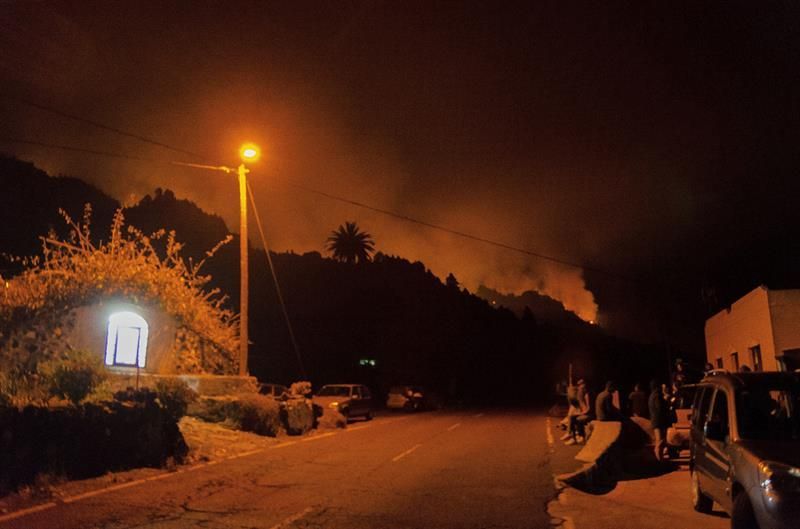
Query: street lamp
<point x="248" y="152"/>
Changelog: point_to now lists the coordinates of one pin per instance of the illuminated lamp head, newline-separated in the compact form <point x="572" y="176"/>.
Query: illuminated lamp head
<point x="249" y="152"/>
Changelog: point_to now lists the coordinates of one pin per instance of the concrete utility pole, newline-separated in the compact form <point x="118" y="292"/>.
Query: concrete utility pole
<point x="243" y="266"/>
<point x="248" y="153"/>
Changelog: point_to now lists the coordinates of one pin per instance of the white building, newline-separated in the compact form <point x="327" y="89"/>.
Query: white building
<point x="761" y="330"/>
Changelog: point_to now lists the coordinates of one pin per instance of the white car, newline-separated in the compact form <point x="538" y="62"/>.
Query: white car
<point x="351" y="400"/>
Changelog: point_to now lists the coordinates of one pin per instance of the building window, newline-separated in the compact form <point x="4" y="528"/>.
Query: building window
<point x="755" y="356"/>
<point x="734" y="361"/>
<point x="126" y="343"/>
<point x="719" y="363"/>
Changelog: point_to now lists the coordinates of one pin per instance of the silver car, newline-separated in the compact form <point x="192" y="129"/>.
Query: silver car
<point x="745" y="448"/>
<point x="351" y="400"/>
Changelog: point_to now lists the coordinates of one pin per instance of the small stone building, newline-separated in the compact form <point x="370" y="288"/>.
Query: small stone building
<point x="137" y="342"/>
<point x="761" y="330"/>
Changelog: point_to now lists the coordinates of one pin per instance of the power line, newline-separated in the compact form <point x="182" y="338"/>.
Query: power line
<point x="75" y="149"/>
<point x="102" y="126"/>
<point x="277" y="285"/>
<point x="452" y="231"/>
<point x="400" y="216"/>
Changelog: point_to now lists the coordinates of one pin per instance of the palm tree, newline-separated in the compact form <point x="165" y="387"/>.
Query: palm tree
<point x="350" y="245"/>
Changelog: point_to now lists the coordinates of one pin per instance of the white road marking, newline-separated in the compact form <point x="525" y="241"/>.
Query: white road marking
<point x="25" y="512"/>
<point x="389" y="421"/>
<point x="315" y="437"/>
<point x="160" y="476"/>
<point x="550" y="440"/>
<point x="478" y="415"/>
<point x="404" y="454"/>
<point x="356" y="428"/>
<point x="245" y="454"/>
<point x="456" y="425"/>
<point x="98" y="492"/>
<point x="78" y="497"/>
<point x="283" y="445"/>
<point x="292" y="518"/>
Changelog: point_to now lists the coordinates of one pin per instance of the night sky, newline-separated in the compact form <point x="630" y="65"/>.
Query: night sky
<point x="626" y="138"/>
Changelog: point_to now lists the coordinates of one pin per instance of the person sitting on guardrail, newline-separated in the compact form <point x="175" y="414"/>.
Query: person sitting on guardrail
<point x="577" y="423"/>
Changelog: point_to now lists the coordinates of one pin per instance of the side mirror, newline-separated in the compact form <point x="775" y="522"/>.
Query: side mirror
<point x="714" y="430"/>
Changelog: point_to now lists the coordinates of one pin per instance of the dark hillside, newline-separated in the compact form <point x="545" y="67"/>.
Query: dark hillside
<point x="31" y="199"/>
<point x="414" y="327"/>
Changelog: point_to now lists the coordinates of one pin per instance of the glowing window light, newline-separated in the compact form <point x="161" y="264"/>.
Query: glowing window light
<point x="126" y="343"/>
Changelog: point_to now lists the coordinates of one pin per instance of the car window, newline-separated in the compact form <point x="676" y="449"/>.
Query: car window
<point x="356" y="393"/>
<point x="334" y="391"/>
<point x="365" y="392"/>
<point x="701" y="405"/>
<point x="684" y="397"/>
<point x="769" y="412"/>
<point x="720" y="410"/>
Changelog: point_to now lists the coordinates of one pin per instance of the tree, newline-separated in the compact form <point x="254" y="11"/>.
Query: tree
<point x="451" y="281"/>
<point x="350" y="245"/>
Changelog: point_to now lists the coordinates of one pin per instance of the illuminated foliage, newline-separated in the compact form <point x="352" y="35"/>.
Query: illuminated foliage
<point x="73" y="271"/>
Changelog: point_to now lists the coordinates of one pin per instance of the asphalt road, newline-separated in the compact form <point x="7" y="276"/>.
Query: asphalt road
<point x="433" y="470"/>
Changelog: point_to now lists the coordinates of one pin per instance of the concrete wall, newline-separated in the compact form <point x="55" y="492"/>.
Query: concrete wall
<point x="91" y="328"/>
<point x="766" y="318"/>
<point x="744" y="324"/>
<point x="785" y="309"/>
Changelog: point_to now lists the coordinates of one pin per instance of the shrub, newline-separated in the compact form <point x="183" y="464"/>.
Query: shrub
<point x="73" y="375"/>
<point x="300" y="389"/>
<point x="175" y="396"/>
<point x="75" y="271"/>
<point x="257" y="413"/>
<point x="5" y="390"/>
<point x="249" y="412"/>
<point x="298" y="416"/>
<point x="332" y="419"/>
<point x="209" y="409"/>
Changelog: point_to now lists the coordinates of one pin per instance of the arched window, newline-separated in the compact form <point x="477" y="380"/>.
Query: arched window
<point x="126" y="344"/>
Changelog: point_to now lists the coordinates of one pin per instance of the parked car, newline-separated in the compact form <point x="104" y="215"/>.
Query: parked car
<point x="745" y="448"/>
<point x="409" y="398"/>
<point x="273" y="390"/>
<point x="351" y="400"/>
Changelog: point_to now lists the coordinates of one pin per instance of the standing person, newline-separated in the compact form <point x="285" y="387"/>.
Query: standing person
<point x="659" y="413"/>
<point x="604" y="405"/>
<point x="638" y="400"/>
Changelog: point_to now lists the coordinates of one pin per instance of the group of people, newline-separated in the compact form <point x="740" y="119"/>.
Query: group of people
<point x="657" y="406"/>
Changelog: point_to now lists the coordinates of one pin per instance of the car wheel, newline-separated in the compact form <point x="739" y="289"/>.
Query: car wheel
<point x="743" y="516"/>
<point x="368" y="416"/>
<point x="700" y="502"/>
